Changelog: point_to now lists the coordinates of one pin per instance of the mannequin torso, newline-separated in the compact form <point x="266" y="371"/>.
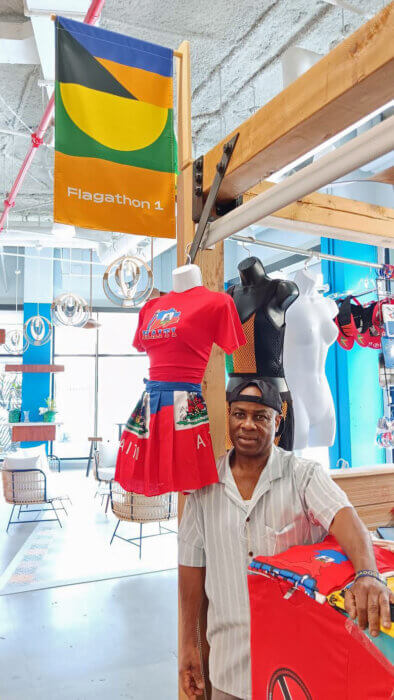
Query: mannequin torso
<point x="186" y="277"/>
<point x="262" y="303"/>
<point x="310" y="332"/>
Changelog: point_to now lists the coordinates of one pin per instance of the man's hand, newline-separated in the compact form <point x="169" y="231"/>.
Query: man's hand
<point x="369" y="601"/>
<point x="190" y="674"/>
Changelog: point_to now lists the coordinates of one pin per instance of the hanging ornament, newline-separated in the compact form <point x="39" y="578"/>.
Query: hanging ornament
<point x="15" y="341"/>
<point x="121" y="281"/>
<point x="69" y="309"/>
<point x="38" y="329"/>
<point x="91" y="323"/>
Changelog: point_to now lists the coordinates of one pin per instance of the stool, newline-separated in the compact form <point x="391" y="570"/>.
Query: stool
<point x="93" y="445"/>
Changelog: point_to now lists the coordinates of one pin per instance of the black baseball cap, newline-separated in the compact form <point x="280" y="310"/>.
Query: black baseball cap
<point x="269" y="395"/>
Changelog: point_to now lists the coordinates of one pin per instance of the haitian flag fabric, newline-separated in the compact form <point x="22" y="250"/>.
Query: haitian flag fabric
<point x="115" y="152"/>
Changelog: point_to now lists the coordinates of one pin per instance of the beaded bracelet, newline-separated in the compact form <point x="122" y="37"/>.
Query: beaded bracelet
<point x="371" y="573"/>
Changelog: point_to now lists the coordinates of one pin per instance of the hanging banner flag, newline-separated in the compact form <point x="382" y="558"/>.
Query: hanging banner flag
<point x="115" y="152"/>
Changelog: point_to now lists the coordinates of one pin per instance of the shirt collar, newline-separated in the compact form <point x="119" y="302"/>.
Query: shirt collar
<point x="272" y="470"/>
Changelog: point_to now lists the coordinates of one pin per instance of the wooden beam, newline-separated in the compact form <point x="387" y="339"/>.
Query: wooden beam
<point x="346" y="85"/>
<point x="333" y="217"/>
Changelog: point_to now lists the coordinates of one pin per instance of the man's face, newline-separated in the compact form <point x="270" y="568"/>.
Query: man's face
<point x="252" y="426"/>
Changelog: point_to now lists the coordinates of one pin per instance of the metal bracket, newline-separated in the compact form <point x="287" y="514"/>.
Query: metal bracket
<point x="221" y="167"/>
<point x="198" y="199"/>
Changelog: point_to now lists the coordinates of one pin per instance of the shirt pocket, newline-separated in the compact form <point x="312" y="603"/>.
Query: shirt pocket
<point x="280" y="540"/>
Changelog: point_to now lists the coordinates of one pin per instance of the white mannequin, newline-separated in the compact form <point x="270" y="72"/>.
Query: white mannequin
<point x="310" y="330"/>
<point x="186" y="277"/>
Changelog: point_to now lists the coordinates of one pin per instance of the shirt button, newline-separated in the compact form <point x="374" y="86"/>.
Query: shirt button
<point x="251" y="554"/>
<point x="248" y="520"/>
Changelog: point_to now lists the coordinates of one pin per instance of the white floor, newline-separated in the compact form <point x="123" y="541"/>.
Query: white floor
<point x="109" y="639"/>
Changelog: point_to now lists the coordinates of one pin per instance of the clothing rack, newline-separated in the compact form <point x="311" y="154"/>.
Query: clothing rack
<point x="306" y="253"/>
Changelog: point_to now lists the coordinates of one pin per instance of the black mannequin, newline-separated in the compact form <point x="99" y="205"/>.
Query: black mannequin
<point x="262" y="303"/>
<point x="251" y="293"/>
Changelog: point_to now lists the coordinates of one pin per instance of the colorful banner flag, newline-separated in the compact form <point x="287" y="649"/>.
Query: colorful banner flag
<point x="115" y="152"/>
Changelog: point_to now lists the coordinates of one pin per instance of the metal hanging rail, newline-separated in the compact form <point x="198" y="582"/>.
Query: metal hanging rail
<point x="305" y="253"/>
<point x="362" y="149"/>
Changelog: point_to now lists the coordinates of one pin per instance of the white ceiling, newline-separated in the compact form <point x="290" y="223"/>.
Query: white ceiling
<point x="236" y="50"/>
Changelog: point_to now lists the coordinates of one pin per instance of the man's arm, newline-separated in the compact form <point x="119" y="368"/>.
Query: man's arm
<point x="368" y="599"/>
<point x="191" y="556"/>
<point x="191" y="591"/>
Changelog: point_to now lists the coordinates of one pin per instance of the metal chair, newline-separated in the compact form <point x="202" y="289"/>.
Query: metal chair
<point x="104" y="476"/>
<point x="137" y="508"/>
<point x="26" y="487"/>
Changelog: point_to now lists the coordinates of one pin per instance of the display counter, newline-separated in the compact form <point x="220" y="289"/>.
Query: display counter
<point x="371" y="490"/>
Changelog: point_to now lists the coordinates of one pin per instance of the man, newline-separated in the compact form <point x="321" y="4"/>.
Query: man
<point x="266" y="501"/>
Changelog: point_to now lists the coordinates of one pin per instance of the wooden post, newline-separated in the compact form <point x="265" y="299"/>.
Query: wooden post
<point x="212" y="267"/>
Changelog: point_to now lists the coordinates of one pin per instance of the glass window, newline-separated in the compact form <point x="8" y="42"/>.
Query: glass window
<point x="10" y="398"/>
<point x="116" y="333"/>
<point x="120" y="385"/>
<point x="75" y="400"/>
<point x="75" y="341"/>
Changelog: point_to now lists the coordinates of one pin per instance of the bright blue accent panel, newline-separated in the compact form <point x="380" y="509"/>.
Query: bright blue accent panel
<point x="353" y="374"/>
<point x="35" y="387"/>
<point x="102" y="43"/>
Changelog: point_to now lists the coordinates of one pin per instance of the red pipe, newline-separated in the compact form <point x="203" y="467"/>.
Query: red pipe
<point x="92" y="16"/>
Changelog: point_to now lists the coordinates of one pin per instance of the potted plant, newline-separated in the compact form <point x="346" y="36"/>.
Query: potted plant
<point x="49" y="411"/>
<point x="14" y="402"/>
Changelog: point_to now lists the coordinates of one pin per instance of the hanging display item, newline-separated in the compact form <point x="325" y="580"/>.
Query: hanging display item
<point x="37" y="329"/>
<point x="166" y="445"/>
<point x="121" y="281"/>
<point x="359" y="323"/>
<point x="297" y="601"/>
<point x="310" y="331"/>
<point x="262" y="303"/>
<point x="15" y="342"/>
<point x="69" y="309"/>
<point x="92" y="323"/>
<point x="115" y="149"/>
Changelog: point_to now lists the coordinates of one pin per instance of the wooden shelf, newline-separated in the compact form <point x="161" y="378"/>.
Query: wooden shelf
<point x="33" y="433"/>
<point x="2" y="336"/>
<point x="34" y="369"/>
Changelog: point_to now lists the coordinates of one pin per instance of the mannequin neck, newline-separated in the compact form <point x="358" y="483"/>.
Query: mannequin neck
<point x="251" y="272"/>
<point x="305" y="281"/>
<point x="186" y="277"/>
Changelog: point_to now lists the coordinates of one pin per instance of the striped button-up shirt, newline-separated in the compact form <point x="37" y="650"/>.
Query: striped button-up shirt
<point x="294" y="502"/>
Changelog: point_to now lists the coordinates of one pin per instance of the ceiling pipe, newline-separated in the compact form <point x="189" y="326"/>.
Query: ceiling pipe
<point x="352" y="155"/>
<point x="91" y="17"/>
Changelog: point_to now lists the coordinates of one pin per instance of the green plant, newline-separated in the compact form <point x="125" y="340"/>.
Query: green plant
<point x="51" y="404"/>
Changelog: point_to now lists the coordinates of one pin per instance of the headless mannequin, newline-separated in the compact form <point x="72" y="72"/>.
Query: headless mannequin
<point x="310" y="330"/>
<point x="258" y="292"/>
<point x="186" y="277"/>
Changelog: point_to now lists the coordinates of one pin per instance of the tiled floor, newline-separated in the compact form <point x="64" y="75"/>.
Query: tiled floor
<point x="105" y="640"/>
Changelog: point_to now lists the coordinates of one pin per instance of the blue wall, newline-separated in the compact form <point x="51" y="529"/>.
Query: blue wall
<point x="353" y="374"/>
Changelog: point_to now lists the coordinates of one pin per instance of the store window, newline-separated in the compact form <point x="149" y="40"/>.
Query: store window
<point x="102" y="381"/>
<point x="10" y="382"/>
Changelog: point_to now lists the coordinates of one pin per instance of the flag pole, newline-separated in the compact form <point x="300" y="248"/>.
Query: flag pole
<point x="91" y="17"/>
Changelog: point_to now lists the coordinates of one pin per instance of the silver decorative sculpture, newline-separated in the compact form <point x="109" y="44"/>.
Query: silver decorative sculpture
<point x="15" y="341"/>
<point x="69" y="309"/>
<point x="37" y="329"/>
<point x="121" y="281"/>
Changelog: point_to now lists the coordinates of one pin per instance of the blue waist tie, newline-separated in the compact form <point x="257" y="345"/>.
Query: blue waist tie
<point x="151" y="386"/>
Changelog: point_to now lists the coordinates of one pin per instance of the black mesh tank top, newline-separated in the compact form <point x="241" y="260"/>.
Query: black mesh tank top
<point x="263" y="353"/>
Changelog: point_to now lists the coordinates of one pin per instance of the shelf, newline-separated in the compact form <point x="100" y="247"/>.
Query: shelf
<point x="28" y="423"/>
<point x="35" y="369"/>
<point x="33" y="432"/>
<point x="2" y="336"/>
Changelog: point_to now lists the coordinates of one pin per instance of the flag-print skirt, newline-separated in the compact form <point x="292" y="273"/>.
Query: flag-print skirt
<point x="166" y="444"/>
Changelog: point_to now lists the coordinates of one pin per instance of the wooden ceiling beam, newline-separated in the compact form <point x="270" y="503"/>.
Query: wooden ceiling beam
<point x="333" y="217"/>
<point x="347" y="84"/>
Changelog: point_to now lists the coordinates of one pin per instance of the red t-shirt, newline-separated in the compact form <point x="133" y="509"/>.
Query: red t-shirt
<point x="178" y="330"/>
